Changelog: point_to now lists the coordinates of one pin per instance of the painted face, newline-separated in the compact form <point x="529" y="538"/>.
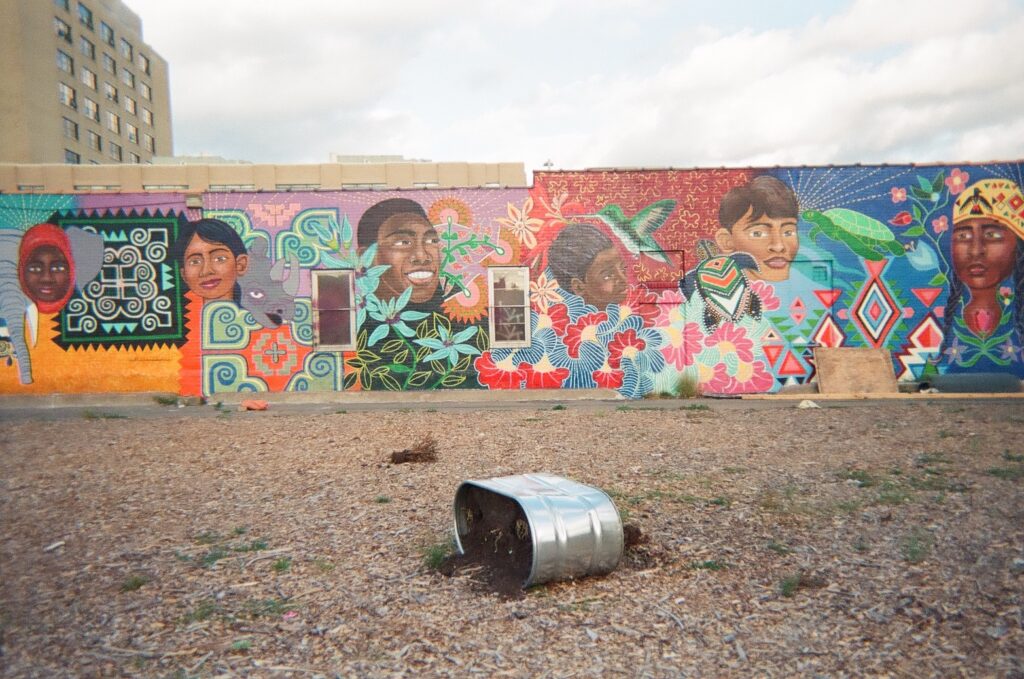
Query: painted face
<point x="772" y="242"/>
<point x="211" y="269"/>
<point x="983" y="252"/>
<point x="410" y="245"/>
<point x="604" y="282"/>
<point x="47" y="274"/>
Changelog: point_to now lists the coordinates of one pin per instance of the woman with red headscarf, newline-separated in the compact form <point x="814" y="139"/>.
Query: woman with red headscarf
<point x="46" y="269"/>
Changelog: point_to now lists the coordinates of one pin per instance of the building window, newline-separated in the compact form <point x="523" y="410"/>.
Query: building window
<point x="106" y="33"/>
<point x="134" y="158"/>
<point x="128" y="78"/>
<point x="126" y="50"/>
<point x="147" y="116"/>
<point x="110" y="92"/>
<point x="95" y="142"/>
<point x="88" y="78"/>
<point x="65" y="62"/>
<point x="70" y="128"/>
<point x="113" y="122"/>
<point x="85" y="16"/>
<point x="147" y="93"/>
<point x="63" y="4"/>
<point x="133" y="133"/>
<point x="509" y="320"/>
<point x="72" y="158"/>
<point x="334" y="319"/>
<point x="86" y="47"/>
<point x="114" y="150"/>
<point x="129" y="105"/>
<point x="91" y="109"/>
<point x="66" y="95"/>
<point x="109" y="65"/>
<point x="150" y="144"/>
<point x="62" y="30"/>
<point x="144" y="63"/>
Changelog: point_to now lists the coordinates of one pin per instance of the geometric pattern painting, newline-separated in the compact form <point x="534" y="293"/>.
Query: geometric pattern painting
<point x="136" y="300"/>
<point x="875" y="311"/>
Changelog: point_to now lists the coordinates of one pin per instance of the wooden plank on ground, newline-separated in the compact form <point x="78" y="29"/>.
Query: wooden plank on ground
<point x="858" y="371"/>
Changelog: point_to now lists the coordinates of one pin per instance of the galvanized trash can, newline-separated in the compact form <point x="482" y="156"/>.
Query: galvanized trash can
<point x="555" y="527"/>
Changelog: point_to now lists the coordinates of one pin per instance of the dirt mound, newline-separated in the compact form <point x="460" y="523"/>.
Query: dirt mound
<point x="498" y="547"/>
<point x="424" y="451"/>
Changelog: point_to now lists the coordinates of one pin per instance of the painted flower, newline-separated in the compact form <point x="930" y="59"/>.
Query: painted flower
<point x="731" y="339"/>
<point x="498" y="374"/>
<point x="955" y="351"/>
<point x="555" y="317"/>
<point x="901" y="219"/>
<point x="467" y="306"/>
<point x="940" y="225"/>
<point x="957" y="181"/>
<point x="585" y="329"/>
<point x="766" y="293"/>
<point x="450" y="208"/>
<point x="608" y="377"/>
<point x="1005" y="294"/>
<point x="1009" y="351"/>
<point x="641" y="302"/>
<point x="670" y="310"/>
<point x="448" y="346"/>
<point x="391" y="315"/>
<point x="544" y="292"/>
<point x="713" y="379"/>
<point x="751" y="378"/>
<point x="543" y="374"/>
<point x="683" y="343"/>
<point x="898" y="193"/>
<point x="625" y="345"/>
<point x="523" y="226"/>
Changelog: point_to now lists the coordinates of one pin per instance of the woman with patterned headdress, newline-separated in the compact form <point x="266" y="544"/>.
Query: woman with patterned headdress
<point x="987" y="249"/>
<point x="46" y="268"/>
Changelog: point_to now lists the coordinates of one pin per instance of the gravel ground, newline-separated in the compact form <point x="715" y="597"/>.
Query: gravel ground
<point x="841" y="541"/>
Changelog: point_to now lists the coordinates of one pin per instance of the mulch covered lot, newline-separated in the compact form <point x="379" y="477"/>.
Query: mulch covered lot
<point x="882" y="539"/>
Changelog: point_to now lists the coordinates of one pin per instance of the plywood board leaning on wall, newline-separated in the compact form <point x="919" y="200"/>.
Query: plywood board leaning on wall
<point x="854" y="371"/>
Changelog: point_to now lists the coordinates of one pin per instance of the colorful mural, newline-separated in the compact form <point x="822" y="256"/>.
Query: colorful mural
<point x="645" y="282"/>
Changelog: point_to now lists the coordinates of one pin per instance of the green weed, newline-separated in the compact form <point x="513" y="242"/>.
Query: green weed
<point x="1009" y="457"/>
<point x="133" y="582"/>
<point x="207" y="537"/>
<point x="341" y="412"/>
<point x="1007" y="473"/>
<point x="264" y="607"/>
<point x="711" y="565"/>
<point x="559" y="406"/>
<point x="93" y="415"/>
<point x="282" y="565"/>
<point x="213" y="556"/>
<point x="204" y="611"/>
<point x="239" y="645"/>
<point x="695" y="407"/>
<point x="916" y="545"/>
<point x="435" y="555"/>
<point x="239" y="530"/>
<point x="863" y="479"/>
<point x="382" y="499"/>
<point x="720" y="501"/>
<point x="779" y="548"/>
<point x="165" y="400"/>
<point x="324" y="565"/>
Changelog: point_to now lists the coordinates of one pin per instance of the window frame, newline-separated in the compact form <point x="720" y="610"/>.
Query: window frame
<point x="109" y="64"/>
<point x="70" y="128"/>
<point x="110" y="92"/>
<point x="130" y="105"/>
<point x="492" y="305"/>
<point x="146" y="91"/>
<point x="72" y="158"/>
<point x="112" y="122"/>
<point x="131" y="132"/>
<point x="107" y="33"/>
<point x="85" y="16"/>
<point x="62" y="30"/>
<point x="90" y="109"/>
<point x="350" y="280"/>
<point x="67" y="95"/>
<point x="143" y="62"/>
<point x="94" y="141"/>
<point x="88" y="78"/>
<point x="115" y="151"/>
<point x="86" y="47"/>
<point x="65" y="62"/>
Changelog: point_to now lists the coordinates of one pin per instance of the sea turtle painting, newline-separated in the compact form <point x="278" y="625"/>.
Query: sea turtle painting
<point x="866" y="236"/>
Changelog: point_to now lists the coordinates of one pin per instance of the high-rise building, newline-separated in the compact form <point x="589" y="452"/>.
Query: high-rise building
<point x="79" y="85"/>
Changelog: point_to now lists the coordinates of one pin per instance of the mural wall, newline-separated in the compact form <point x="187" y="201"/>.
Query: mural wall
<point x="722" y="281"/>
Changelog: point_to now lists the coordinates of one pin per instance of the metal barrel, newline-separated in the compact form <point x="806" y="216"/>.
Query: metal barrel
<point x="575" y="529"/>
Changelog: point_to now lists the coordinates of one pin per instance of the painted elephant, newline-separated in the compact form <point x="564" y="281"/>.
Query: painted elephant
<point x="269" y="289"/>
<point x="79" y="252"/>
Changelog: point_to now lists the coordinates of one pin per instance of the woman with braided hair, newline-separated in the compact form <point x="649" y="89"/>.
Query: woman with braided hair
<point x="987" y="248"/>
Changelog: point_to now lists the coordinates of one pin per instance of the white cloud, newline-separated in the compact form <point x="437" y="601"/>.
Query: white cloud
<point x="594" y="83"/>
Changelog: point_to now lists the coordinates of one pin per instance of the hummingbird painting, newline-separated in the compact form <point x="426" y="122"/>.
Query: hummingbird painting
<point x="637" y="232"/>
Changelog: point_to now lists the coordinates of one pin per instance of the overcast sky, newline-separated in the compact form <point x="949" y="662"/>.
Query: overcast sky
<point x="595" y="83"/>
